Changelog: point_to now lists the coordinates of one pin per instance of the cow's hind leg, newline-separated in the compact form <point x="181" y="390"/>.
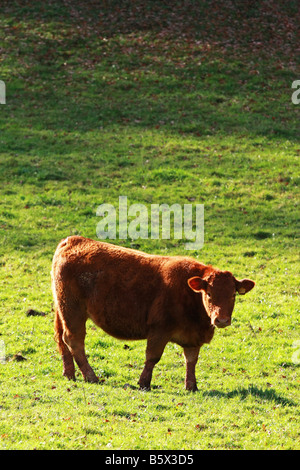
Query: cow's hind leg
<point x="155" y="348"/>
<point x="70" y="333"/>
<point x="68" y="362"/>
<point x="74" y="339"/>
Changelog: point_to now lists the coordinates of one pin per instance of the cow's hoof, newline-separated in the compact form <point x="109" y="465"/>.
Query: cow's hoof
<point x="190" y="387"/>
<point x="144" y="387"/>
<point x="70" y="376"/>
<point x="91" y="378"/>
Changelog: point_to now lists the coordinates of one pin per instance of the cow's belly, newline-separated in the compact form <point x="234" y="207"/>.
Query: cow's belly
<point x="129" y="325"/>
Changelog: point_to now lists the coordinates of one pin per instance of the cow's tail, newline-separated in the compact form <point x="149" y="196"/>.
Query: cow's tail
<point x="58" y="331"/>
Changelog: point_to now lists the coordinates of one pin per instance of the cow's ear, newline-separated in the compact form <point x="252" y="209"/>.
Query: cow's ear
<point x="244" y="286"/>
<point x="197" y="284"/>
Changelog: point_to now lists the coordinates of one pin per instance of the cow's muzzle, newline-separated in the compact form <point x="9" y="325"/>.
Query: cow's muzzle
<point x="222" y="322"/>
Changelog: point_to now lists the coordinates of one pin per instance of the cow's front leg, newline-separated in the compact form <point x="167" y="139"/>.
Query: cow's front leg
<point x="155" y="348"/>
<point x="191" y="358"/>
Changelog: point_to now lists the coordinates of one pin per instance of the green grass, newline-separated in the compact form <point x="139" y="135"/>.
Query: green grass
<point x="188" y="103"/>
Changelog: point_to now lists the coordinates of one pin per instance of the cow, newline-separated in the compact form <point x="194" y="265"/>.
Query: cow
<point x="133" y="295"/>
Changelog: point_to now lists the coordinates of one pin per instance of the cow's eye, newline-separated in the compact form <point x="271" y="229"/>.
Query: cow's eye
<point x="209" y="295"/>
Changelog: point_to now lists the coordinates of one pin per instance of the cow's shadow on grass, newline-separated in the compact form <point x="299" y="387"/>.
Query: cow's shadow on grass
<point x="260" y="394"/>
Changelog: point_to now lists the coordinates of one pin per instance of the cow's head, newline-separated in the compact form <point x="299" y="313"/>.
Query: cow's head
<point x="218" y="294"/>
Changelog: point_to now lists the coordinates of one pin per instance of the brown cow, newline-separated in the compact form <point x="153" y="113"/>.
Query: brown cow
<point x="132" y="296"/>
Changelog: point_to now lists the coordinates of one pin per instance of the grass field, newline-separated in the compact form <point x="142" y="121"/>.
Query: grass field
<point x="162" y="102"/>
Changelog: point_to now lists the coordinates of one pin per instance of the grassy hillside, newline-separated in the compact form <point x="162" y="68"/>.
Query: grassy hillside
<point x="162" y="102"/>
